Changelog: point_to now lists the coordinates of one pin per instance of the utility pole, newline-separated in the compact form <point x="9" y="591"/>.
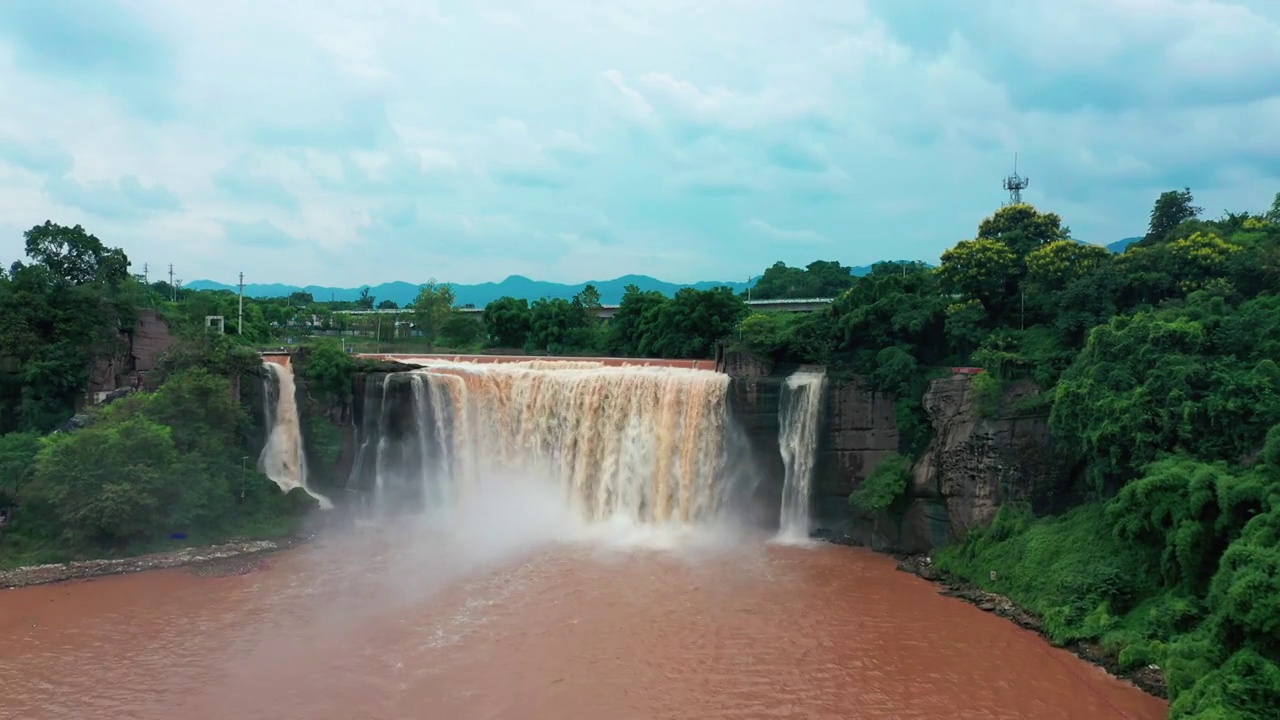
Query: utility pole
<point x="145" y="278"/>
<point x="240" y="324"/>
<point x="173" y="289"/>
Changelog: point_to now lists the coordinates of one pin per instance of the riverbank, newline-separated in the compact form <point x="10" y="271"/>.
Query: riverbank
<point x="1149" y="678"/>
<point x="234" y="557"/>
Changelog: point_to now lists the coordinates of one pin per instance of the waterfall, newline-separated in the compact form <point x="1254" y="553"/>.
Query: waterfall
<point x="283" y="459"/>
<point x="642" y="444"/>
<point x="800" y="419"/>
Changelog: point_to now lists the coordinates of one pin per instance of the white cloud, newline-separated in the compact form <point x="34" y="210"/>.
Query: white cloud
<point x="374" y="140"/>
<point x="785" y="236"/>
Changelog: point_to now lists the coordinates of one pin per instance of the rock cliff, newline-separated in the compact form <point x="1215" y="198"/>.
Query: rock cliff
<point x="139" y="350"/>
<point x="976" y="464"/>
<point x="972" y="464"/>
<point x="753" y="403"/>
<point x="859" y="429"/>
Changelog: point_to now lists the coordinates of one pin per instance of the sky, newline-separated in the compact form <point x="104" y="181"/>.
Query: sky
<point x="340" y="142"/>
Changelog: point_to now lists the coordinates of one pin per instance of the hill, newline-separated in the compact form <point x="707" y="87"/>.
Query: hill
<point x="479" y="295"/>
<point x="1120" y="245"/>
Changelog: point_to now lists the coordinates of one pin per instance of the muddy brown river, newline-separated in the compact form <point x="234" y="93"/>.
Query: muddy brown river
<point x="385" y="626"/>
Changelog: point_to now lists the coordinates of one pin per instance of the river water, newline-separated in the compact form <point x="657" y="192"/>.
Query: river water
<point x="384" y="624"/>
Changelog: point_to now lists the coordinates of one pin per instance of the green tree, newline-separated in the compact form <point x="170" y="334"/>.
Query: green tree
<point x="1022" y="228"/>
<point x="1199" y="379"/>
<point x="1054" y="266"/>
<point x="627" y="327"/>
<point x="432" y="309"/>
<point x="17" y="461"/>
<point x="74" y="256"/>
<point x="1171" y="209"/>
<point x="982" y="269"/>
<point x="506" y="322"/>
<point x="1273" y="213"/>
<point x="56" y="316"/>
<point x="589" y="298"/>
<point x="821" y="278"/>
<point x="557" y="325"/>
<point x="460" y="331"/>
<point x="691" y="323"/>
<point x="106" y="484"/>
<point x="328" y="369"/>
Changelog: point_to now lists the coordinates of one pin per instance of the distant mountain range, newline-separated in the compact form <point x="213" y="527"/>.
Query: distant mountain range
<point x="403" y="293"/>
<point x="1120" y="245"/>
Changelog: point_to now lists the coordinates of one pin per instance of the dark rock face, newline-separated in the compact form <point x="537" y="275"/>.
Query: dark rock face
<point x="382" y="408"/>
<point x="753" y="402"/>
<point x="859" y="429"/>
<point x="744" y="365"/>
<point x="973" y="465"/>
<point x="313" y="413"/>
<point x="140" y="348"/>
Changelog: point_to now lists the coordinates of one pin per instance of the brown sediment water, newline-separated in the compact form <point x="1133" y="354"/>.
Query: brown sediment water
<point x="381" y="626"/>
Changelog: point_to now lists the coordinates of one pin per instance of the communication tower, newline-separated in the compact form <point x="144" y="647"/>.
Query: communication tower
<point x="1015" y="184"/>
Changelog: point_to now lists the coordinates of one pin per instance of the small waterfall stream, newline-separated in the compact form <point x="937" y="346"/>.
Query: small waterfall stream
<point x="283" y="458"/>
<point x="800" y="419"/>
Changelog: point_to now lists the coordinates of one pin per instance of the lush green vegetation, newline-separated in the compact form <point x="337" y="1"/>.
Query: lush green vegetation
<point x="1158" y="370"/>
<point x="150" y="469"/>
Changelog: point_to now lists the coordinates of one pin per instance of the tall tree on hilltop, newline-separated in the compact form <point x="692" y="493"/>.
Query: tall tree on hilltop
<point x="74" y="256"/>
<point x="1023" y="228"/>
<point x="1171" y="209"/>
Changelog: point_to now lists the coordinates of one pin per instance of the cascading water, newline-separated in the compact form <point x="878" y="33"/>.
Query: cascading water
<point x="283" y="459"/>
<point x="800" y="419"/>
<point x="640" y="444"/>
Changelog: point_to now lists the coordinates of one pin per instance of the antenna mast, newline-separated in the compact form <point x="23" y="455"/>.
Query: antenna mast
<point x="1015" y="184"/>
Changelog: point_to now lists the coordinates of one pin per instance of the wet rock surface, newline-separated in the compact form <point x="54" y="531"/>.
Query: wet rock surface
<point x="1149" y="678"/>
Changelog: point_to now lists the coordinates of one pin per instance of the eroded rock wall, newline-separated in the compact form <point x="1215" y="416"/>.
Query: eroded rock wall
<point x="753" y="403"/>
<point x="139" y="349"/>
<point x="972" y="464"/>
<point x="859" y="430"/>
<point x="975" y="464"/>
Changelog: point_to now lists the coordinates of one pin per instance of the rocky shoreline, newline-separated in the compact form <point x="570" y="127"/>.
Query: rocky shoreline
<point x="1149" y="678"/>
<point x="230" y="558"/>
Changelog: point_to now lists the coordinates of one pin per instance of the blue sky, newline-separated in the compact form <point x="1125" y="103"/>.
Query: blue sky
<point x="349" y="142"/>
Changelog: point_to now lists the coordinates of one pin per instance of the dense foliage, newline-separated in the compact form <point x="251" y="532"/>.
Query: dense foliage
<point x="644" y="324"/>
<point x="1158" y="370"/>
<point x="138" y="472"/>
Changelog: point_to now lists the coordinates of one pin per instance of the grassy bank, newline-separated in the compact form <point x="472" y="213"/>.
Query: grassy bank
<point x="22" y="547"/>
<point x="1215" y="642"/>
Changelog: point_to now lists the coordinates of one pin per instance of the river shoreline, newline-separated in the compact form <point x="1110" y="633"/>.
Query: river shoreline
<point x="242" y="556"/>
<point x="233" y="557"/>
<point x="1150" y="679"/>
